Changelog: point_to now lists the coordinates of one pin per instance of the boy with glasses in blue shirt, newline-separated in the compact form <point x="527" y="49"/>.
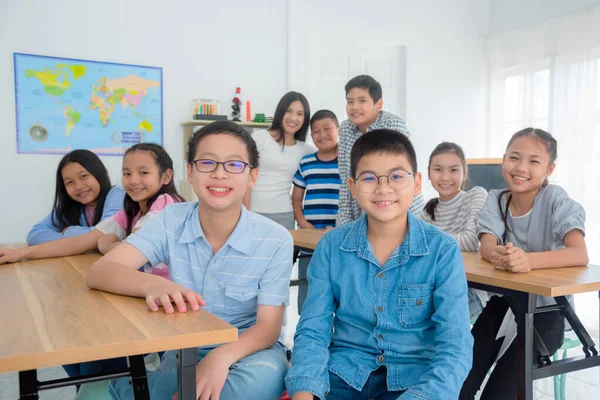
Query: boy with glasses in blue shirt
<point x="386" y="315"/>
<point x="234" y="263"/>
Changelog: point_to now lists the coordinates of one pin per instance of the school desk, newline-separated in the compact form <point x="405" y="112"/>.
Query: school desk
<point x="524" y="288"/>
<point x="49" y="318"/>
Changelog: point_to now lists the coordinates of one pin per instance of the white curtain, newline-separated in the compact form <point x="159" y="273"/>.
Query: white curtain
<point x="547" y="76"/>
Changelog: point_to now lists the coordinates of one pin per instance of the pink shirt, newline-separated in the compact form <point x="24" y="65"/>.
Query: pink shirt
<point x="138" y="221"/>
<point x="118" y="225"/>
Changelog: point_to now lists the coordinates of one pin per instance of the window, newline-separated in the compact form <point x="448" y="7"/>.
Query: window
<point x="522" y="92"/>
<point x="598" y="100"/>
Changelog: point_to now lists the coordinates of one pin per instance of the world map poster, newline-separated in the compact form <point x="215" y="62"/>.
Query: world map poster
<point x="63" y="104"/>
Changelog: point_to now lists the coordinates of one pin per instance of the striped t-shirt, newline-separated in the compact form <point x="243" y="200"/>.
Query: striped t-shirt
<point x="321" y="180"/>
<point x="458" y="217"/>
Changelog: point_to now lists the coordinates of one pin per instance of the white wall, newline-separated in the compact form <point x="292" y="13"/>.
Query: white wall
<point x="249" y="49"/>
<point x="445" y="74"/>
<point x="506" y="15"/>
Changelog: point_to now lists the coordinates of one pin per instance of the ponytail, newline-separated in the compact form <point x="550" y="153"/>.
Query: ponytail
<point x="430" y="207"/>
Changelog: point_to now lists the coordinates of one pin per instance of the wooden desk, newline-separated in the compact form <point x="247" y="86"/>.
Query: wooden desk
<point x="556" y="282"/>
<point x="51" y="318"/>
<point x="306" y="239"/>
<point x="545" y="282"/>
<point x="524" y="288"/>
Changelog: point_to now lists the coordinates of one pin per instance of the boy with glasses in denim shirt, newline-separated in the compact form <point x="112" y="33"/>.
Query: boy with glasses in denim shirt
<point x="393" y="287"/>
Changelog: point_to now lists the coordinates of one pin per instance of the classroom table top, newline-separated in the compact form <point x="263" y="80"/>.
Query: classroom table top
<point x="50" y="317"/>
<point x="545" y="282"/>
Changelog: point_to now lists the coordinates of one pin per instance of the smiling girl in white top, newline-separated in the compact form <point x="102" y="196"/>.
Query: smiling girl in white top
<point x="281" y="148"/>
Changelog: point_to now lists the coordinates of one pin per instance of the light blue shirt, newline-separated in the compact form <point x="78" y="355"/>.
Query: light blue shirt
<point x="253" y="266"/>
<point x="409" y="315"/>
<point x="46" y="231"/>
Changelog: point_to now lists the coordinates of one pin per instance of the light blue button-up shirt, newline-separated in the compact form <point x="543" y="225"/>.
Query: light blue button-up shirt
<point x="409" y="315"/>
<point x="253" y="267"/>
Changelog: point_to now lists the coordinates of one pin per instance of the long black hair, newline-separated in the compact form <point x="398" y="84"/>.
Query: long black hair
<point x="282" y="107"/>
<point x="443" y="148"/>
<point x="164" y="163"/>
<point x="551" y="147"/>
<point x="66" y="211"/>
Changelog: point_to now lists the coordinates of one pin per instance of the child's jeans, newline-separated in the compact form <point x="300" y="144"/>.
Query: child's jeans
<point x="260" y="374"/>
<point x="375" y="388"/>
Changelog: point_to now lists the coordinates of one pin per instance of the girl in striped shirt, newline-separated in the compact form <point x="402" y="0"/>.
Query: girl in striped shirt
<point x="455" y="210"/>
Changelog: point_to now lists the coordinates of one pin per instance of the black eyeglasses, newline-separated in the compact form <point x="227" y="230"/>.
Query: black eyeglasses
<point x="367" y="182"/>
<point x="231" y="166"/>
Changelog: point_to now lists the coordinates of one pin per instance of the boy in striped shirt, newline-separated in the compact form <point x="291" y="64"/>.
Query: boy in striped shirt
<point x="315" y="196"/>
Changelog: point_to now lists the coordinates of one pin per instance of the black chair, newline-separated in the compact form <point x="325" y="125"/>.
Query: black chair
<point x="485" y="172"/>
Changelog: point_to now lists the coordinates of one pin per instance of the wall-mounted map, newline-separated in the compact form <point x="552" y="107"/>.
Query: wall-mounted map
<point x="64" y="104"/>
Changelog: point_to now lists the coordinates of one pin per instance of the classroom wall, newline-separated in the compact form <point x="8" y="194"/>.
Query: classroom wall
<point x="446" y="77"/>
<point x="206" y="49"/>
<point x="248" y="47"/>
<point x="506" y="15"/>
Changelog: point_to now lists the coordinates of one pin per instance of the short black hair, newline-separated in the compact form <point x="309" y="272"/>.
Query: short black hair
<point x="324" y="114"/>
<point x="382" y="141"/>
<point x="224" y="128"/>
<point x="366" y="82"/>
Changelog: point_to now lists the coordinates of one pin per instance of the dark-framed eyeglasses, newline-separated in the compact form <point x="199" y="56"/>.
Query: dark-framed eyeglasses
<point x="231" y="166"/>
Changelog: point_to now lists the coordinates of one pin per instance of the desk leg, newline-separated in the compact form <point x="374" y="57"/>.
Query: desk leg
<point x="28" y="385"/>
<point x="139" y="383"/>
<point x="525" y="306"/>
<point x="187" y="359"/>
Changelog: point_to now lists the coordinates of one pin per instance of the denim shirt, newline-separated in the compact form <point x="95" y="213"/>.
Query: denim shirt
<point x="409" y="315"/>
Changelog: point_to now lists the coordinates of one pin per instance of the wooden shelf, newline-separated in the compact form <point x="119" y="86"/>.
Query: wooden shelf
<point x="201" y="122"/>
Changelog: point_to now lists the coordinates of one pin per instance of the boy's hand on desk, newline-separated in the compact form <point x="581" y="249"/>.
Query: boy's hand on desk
<point x="170" y="293"/>
<point x="12" y="255"/>
<point x="516" y="260"/>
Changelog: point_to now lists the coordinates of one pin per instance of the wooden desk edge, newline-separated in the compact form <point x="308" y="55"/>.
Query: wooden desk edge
<point x="303" y="243"/>
<point x="493" y="281"/>
<point x="101" y="352"/>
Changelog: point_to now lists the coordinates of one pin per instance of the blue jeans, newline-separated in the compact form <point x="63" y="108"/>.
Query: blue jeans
<point x="260" y="374"/>
<point x="95" y="367"/>
<point x="375" y="388"/>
